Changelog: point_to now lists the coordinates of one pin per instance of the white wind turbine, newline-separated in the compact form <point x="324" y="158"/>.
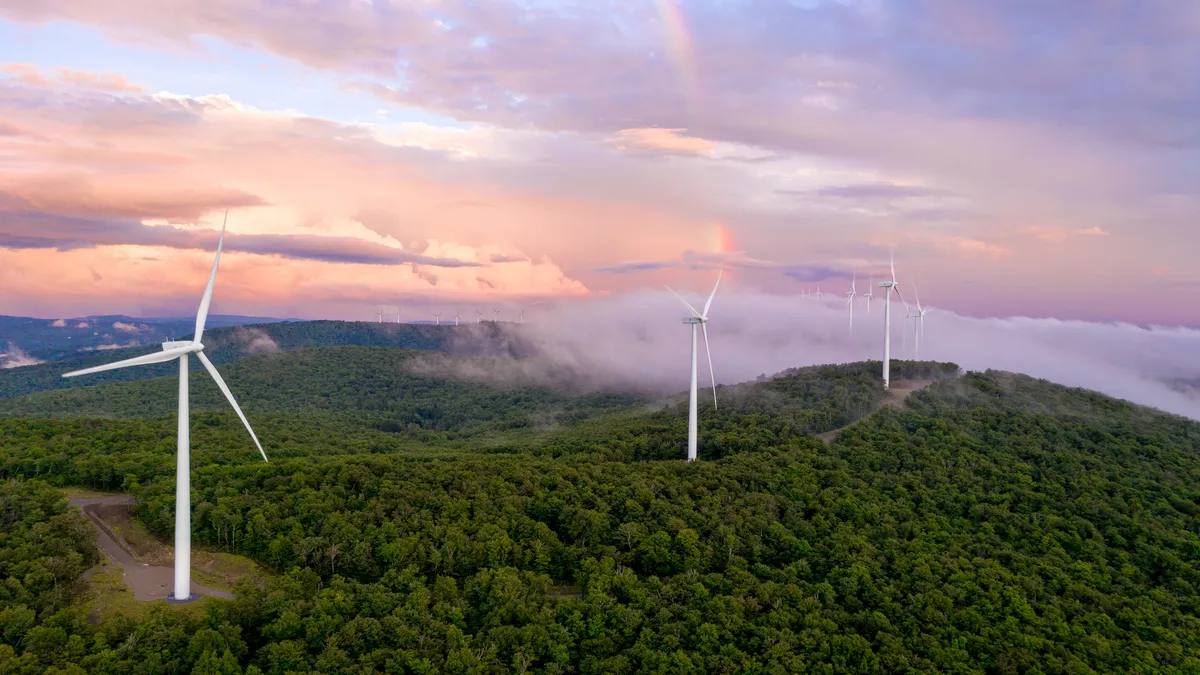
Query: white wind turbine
<point x="850" y="299"/>
<point x="455" y="317"/>
<point x="890" y="285"/>
<point x="479" y="316"/>
<point x="397" y="316"/>
<point x="918" y="323"/>
<point x="521" y="317"/>
<point x="497" y="315"/>
<point x="172" y="351"/>
<point x="698" y="319"/>
<point x="380" y="313"/>
<point x="437" y="318"/>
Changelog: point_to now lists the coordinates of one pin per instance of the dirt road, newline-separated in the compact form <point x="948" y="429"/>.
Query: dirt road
<point x="148" y="582"/>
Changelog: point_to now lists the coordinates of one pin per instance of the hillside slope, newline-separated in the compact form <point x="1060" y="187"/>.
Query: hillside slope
<point x="225" y="345"/>
<point x="992" y="524"/>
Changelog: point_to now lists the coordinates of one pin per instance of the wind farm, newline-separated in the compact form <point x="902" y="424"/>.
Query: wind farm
<point x="993" y="472"/>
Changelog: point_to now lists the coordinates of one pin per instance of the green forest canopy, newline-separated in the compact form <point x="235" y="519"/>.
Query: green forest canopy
<point x="418" y="523"/>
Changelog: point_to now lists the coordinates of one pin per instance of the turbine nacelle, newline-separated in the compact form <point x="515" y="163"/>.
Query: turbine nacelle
<point x="695" y="319"/>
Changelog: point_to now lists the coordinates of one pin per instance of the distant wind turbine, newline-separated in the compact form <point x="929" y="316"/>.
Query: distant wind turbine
<point x="890" y="285"/>
<point x="497" y="315"/>
<point x="456" y="317"/>
<point x="521" y="317"/>
<point x="180" y="350"/>
<point x="380" y="313"/>
<point x="397" y="316"/>
<point x="479" y="317"/>
<point x="919" y="323"/>
<point x="850" y="299"/>
<point x="698" y="319"/>
<point x="437" y="318"/>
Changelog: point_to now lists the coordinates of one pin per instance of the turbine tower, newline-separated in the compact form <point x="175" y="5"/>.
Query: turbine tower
<point x="380" y="313"/>
<point x="890" y="285"/>
<point x="698" y="319"/>
<point x="397" y="316"/>
<point x="521" y="317"/>
<point x="437" y="318"/>
<point x="455" y="317"/>
<point x="180" y="351"/>
<point x="870" y="294"/>
<point x="850" y="299"/>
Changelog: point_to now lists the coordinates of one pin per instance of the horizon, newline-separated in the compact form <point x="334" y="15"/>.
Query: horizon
<point x="413" y="153"/>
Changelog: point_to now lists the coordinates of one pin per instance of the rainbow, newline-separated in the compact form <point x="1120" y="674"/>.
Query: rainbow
<point x="679" y="48"/>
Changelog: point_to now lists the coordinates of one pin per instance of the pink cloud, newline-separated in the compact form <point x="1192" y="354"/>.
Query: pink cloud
<point x="1059" y="234"/>
<point x="33" y="76"/>
<point x="664" y="140"/>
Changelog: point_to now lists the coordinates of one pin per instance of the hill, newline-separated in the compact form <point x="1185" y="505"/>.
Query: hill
<point x="993" y="523"/>
<point x="225" y="345"/>
<point x="27" y="340"/>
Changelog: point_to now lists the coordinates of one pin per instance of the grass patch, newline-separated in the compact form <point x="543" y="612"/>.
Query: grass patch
<point x="83" y="493"/>
<point x="221" y="570"/>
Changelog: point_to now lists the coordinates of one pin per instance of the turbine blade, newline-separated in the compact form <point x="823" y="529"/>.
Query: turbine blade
<point x="711" y="374"/>
<point x="202" y="315"/>
<point x="713" y="294"/>
<point x="685" y="302"/>
<point x="212" y="370"/>
<point x="916" y="295"/>
<point x="156" y="357"/>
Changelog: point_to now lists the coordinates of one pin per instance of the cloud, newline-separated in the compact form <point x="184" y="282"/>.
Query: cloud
<point x="15" y="357"/>
<point x="500" y="258"/>
<point x="635" y="339"/>
<point x="256" y="340"/>
<point x="1058" y="234"/>
<point x="25" y="230"/>
<point x="880" y="191"/>
<point x="31" y="75"/>
<point x="968" y="247"/>
<point x="60" y="323"/>
<point x="102" y="348"/>
<point x="694" y="260"/>
<point x="83" y="324"/>
<point x="660" y="140"/>
<point x="125" y="327"/>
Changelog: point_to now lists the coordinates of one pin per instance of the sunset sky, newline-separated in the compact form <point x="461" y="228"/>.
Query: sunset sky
<point x="1024" y="158"/>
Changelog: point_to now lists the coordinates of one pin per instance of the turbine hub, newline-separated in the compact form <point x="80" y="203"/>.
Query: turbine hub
<point x="693" y="319"/>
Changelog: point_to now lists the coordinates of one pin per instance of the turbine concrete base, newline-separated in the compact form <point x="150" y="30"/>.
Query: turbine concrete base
<point x="176" y="601"/>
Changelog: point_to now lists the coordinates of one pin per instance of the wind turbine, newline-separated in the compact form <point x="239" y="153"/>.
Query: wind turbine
<point x="437" y="318"/>
<point x="919" y="323"/>
<point x="479" y="317"/>
<point x="455" y="317"/>
<point x="380" y="313"/>
<point x="521" y="317"/>
<point x="180" y="350"/>
<point x="397" y="316"/>
<point x="698" y="319"/>
<point x="850" y="299"/>
<point x="497" y="315"/>
<point x="890" y="285"/>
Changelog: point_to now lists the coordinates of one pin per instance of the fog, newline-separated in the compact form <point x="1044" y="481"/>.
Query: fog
<point x="639" y="340"/>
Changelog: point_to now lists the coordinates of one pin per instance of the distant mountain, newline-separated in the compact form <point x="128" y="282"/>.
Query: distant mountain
<point x="26" y="340"/>
<point x="231" y="343"/>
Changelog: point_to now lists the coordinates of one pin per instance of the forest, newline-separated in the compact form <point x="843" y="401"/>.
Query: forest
<point x="418" y="519"/>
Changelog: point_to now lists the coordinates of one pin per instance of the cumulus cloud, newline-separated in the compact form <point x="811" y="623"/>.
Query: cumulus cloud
<point x="636" y="339"/>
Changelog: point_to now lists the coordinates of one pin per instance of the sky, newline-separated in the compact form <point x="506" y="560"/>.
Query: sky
<point x="1031" y="159"/>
